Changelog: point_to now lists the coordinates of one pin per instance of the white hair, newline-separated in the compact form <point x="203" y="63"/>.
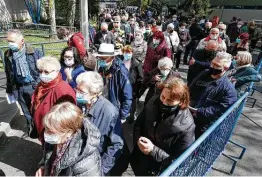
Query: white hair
<point x="165" y="62"/>
<point x="222" y="26"/>
<point x="104" y="24"/>
<point x="170" y="25"/>
<point x="93" y="81"/>
<point x="214" y="29"/>
<point x="45" y="62"/>
<point x="224" y="57"/>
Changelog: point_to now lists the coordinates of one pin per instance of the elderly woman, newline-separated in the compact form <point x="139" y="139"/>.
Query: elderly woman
<point x="244" y="72"/>
<point x="163" y="130"/>
<point x="71" y="144"/>
<point x="71" y="65"/>
<point x="156" y="50"/>
<point x="50" y="91"/>
<point x="158" y="75"/>
<point x="172" y="39"/>
<point x="139" y="46"/>
<point x="103" y="115"/>
<point x="241" y="44"/>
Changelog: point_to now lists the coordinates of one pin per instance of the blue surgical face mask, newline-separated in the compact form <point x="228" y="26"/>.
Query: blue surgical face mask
<point x="13" y="46"/>
<point x="80" y="98"/>
<point x="52" y="139"/>
<point x="234" y="63"/>
<point x="127" y="56"/>
<point x="238" y="40"/>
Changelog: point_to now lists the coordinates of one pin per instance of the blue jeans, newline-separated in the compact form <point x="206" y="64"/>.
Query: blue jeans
<point x="23" y="96"/>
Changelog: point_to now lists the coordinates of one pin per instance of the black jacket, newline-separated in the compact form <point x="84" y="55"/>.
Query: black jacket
<point x="171" y="136"/>
<point x="196" y="32"/>
<point x="81" y="157"/>
<point x="99" y="39"/>
<point x="32" y="55"/>
<point x="136" y="76"/>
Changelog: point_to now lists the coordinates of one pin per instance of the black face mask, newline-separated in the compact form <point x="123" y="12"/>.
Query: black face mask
<point x="210" y="54"/>
<point x="171" y="31"/>
<point x="167" y="109"/>
<point x="104" y="31"/>
<point x="214" y="71"/>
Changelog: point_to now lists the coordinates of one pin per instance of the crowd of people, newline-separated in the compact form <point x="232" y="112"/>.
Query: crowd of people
<point x="76" y="105"/>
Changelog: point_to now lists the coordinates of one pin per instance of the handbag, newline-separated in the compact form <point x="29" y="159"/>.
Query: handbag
<point x="174" y="49"/>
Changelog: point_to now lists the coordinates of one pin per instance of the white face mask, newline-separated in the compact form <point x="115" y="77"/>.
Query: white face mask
<point x="69" y="62"/>
<point x="48" y="77"/>
<point x="214" y="37"/>
<point x="138" y="38"/>
<point x="52" y="139"/>
<point x="239" y="26"/>
<point x="165" y="72"/>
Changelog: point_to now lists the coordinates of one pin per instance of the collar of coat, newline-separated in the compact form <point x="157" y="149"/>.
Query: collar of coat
<point x="160" y="46"/>
<point x="28" y="50"/>
<point x="219" y="40"/>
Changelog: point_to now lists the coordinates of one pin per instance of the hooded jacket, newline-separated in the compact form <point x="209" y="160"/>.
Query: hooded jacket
<point x="77" y="40"/>
<point x="81" y="157"/>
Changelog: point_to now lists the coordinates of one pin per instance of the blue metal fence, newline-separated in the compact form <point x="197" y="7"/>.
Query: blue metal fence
<point x="198" y="159"/>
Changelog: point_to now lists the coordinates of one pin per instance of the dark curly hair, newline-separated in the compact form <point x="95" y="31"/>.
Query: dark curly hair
<point x="76" y="55"/>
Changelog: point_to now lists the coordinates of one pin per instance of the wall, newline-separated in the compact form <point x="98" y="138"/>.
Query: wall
<point x="17" y="10"/>
<point x="244" y="14"/>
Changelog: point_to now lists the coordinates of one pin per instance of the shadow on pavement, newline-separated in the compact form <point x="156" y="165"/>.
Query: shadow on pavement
<point x="2" y="173"/>
<point x="21" y="154"/>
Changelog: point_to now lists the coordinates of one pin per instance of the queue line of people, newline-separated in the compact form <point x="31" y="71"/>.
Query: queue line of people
<point x="93" y="102"/>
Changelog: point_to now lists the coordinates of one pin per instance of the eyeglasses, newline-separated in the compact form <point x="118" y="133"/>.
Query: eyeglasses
<point x="80" y="91"/>
<point x="45" y="71"/>
<point x="68" y="57"/>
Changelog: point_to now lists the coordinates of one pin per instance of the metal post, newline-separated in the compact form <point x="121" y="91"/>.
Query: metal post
<point x="84" y="21"/>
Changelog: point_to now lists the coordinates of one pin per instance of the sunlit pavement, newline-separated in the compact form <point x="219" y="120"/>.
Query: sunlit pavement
<point x="20" y="156"/>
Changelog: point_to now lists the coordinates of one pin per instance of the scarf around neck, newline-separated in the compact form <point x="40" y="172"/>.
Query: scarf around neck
<point x="43" y="89"/>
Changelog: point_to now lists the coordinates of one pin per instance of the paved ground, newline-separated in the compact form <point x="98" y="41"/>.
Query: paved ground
<point x="20" y="156"/>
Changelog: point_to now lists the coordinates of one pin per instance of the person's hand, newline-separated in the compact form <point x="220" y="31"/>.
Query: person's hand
<point x="40" y="172"/>
<point x="233" y="80"/>
<point x="145" y="145"/>
<point x="157" y="78"/>
<point x="192" y="62"/>
<point x="68" y="73"/>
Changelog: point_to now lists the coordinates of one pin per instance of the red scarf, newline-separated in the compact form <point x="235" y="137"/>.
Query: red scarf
<point x="219" y="40"/>
<point x="43" y="89"/>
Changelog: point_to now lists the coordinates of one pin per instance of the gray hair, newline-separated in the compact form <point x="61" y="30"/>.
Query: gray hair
<point x="18" y="33"/>
<point x="44" y="63"/>
<point x="224" y="57"/>
<point x="104" y="24"/>
<point x="94" y="82"/>
<point x="165" y="62"/>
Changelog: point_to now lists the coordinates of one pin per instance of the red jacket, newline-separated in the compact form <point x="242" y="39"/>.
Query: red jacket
<point x="154" y="55"/>
<point x="62" y="92"/>
<point x="77" y="40"/>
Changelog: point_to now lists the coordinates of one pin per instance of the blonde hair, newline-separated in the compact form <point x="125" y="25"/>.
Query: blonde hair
<point x="44" y="62"/>
<point x="63" y="118"/>
<point x="243" y="58"/>
<point x="178" y="91"/>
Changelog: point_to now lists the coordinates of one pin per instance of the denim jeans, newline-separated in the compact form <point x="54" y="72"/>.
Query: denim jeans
<point x="23" y="96"/>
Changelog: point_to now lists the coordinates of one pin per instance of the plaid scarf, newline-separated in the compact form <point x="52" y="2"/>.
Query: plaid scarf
<point x="21" y="64"/>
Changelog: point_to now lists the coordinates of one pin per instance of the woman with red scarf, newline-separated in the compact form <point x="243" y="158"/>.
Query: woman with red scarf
<point x="241" y="44"/>
<point x="50" y="91"/>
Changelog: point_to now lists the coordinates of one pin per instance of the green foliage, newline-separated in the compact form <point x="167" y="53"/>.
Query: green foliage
<point x="197" y="7"/>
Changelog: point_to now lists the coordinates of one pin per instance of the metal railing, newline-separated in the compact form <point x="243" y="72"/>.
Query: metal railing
<point x="198" y="159"/>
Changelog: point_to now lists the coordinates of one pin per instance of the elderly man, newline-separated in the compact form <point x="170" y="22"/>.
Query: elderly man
<point x="201" y="60"/>
<point x="117" y="88"/>
<point x="21" y="72"/>
<point x="103" y="115"/>
<point x="214" y="35"/>
<point x="212" y="93"/>
<point x="172" y="39"/>
<point x="104" y="36"/>
<point x="222" y="34"/>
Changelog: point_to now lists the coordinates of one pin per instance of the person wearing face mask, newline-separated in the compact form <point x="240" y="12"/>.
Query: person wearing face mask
<point x="207" y="28"/>
<point x="223" y="35"/>
<point x="185" y="39"/>
<point x="117" y="87"/>
<point x="254" y="34"/>
<point x="162" y="73"/>
<point x="126" y="27"/>
<point x="243" y="71"/>
<point x="148" y="33"/>
<point x="104" y="36"/>
<point x="139" y="46"/>
<point x="241" y="44"/>
<point x="174" y="21"/>
<point x="50" y="91"/>
<point x="172" y="39"/>
<point x="201" y="60"/>
<point x="211" y="93"/>
<point x="142" y="27"/>
<point x="156" y="50"/>
<point x="233" y="30"/>
<point x="103" y="115"/>
<point x="163" y="131"/>
<point x="22" y="75"/>
<point x="119" y="34"/>
<point x="71" y="65"/>
<point x="71" y="144"/>
<point x="74" y="40"/>
<point x="214" y="35"/>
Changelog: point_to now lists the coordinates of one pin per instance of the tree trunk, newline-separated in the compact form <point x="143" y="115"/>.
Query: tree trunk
<point x="52" y="19"/>
<point x="71" y="12"/>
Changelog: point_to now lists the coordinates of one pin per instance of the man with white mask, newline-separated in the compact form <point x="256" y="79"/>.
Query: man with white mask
<point x="22" y="75"/>
<point x="214" y="35"/>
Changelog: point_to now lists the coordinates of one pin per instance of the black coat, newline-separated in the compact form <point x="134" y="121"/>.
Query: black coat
<point x="136" y="76"/>
<point x="171" y="136"/>
<point x="99" y="39"/>
<point x="81" y="157"/>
